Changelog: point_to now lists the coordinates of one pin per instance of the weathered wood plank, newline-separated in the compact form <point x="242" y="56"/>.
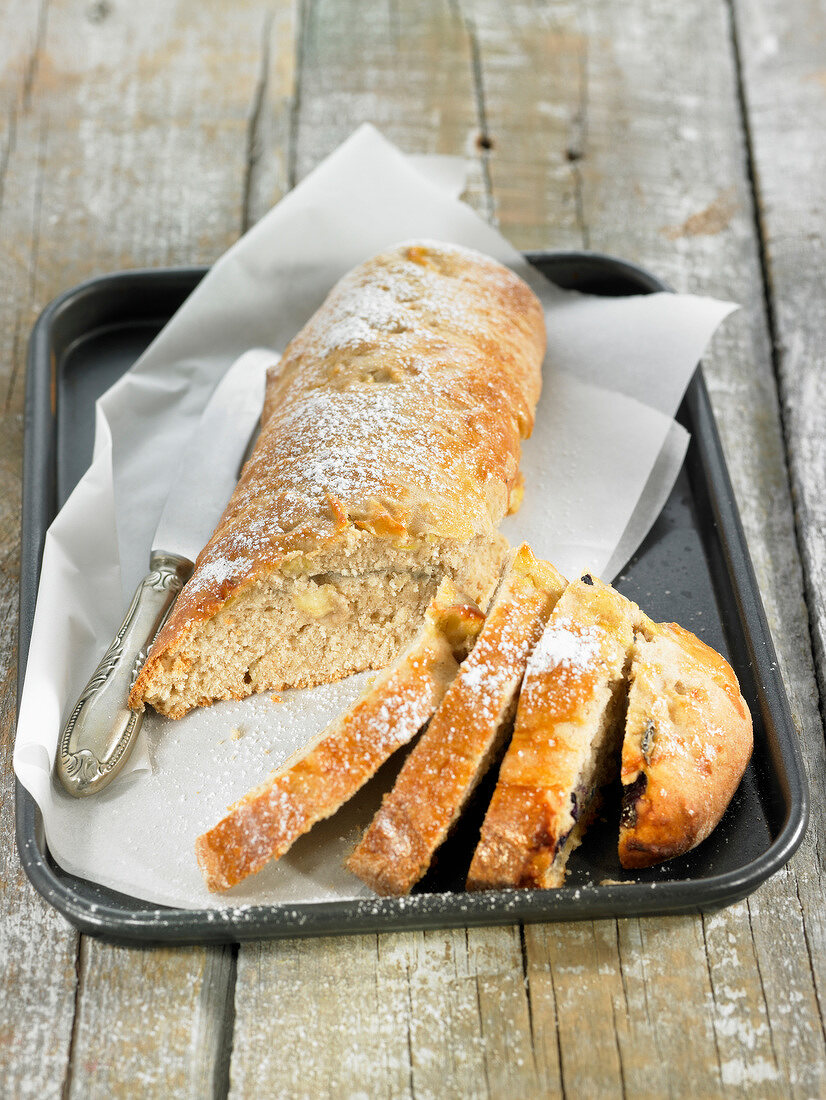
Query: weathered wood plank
<point x="269" y="164"/>
<point x="38" y="948"/>
<point x="783" y="72"/>
<point x="406" y="68"/>
<point x="783" y="54"/>
<point x="417" y="1014"/>
<point x="334" y="1030"/>
<point x="656" y="173"/>
<point x="150" y="1022"/>
<point x="745" y="1042"/>
<point x="425" y="1014"/>
<point x="530" y="85"/>
<point x="496" y="957"/>
<point x="573" y="990"/>
<point x="129" y="145"/>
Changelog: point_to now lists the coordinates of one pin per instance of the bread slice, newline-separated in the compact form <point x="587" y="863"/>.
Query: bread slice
<point x="315" y="782"/>
<point x="565" y="743"/>
<point x="688" y="739"/>
<point x="463" y="737"/>
<point x="389" y="452"/>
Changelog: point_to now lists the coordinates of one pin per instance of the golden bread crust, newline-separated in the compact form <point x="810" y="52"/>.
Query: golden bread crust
<point x="687" y="743"/>
<point x="574" y="677"/>
<point x="396" y="413"/>
<point x="316" y="782"/>
<point x="463" y="736"/>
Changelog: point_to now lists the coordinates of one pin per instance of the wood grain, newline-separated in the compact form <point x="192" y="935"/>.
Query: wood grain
<point x="149" y="135"/>
<point x="425" y="1014"/>
<point x="150" y="1022"/>
<point x="783" y="72"/>
<point x="745" y="1042"/>
<point x="530" y="84"/>
<point x="38" y="948"/>
<point x="781" y="48"/>
<point x="661" y="179"/>
<point x="407" y="68"/>
<point x="127" y="144"/>
<point x="615" y="983"/>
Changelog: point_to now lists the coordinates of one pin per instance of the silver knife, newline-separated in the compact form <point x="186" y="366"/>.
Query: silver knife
<point x="101" y="730"/>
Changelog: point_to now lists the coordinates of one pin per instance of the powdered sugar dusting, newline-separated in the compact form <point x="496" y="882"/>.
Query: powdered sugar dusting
<point x="568" y="645"/>
<point x="481" y="676"/>
<point x="259" y="826"/>
<point x="409" y="295"/>
<point x="400" y="716"/>
<point x="390" y="835"/>
<point x="380" y="414"/>
<point x="313" y="784"/>
<point x="491" y="672"/>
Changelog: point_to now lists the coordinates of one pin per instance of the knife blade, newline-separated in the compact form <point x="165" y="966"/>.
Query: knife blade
<point x="101" y="730"/>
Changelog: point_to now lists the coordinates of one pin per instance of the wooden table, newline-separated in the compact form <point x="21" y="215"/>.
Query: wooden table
<point x="689" y="137"/>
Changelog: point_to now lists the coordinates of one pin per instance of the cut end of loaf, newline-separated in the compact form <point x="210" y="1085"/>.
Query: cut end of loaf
<point x="335" y="764"/>
<point x="298" y="629"/>
<point x="289" y="632"/>
<point x="388" y="453"/>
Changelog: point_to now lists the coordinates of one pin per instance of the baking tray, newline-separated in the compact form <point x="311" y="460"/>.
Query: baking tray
<point x="693" y="568"/>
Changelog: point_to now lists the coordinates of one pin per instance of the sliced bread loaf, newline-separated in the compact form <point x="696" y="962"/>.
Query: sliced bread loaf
<point x="463" y="737"/>
<point x="328" y="771"/>
<point x="565" y="742"/>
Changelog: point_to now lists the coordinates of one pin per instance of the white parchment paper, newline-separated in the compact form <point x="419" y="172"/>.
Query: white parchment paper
<point x="602" y="460"/>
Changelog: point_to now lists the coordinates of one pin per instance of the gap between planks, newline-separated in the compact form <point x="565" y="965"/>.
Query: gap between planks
<point x="760" y="235"/>
<point x="293" y="155"/>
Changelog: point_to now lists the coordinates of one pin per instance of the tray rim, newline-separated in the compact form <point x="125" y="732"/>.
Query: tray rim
<point x="188" y="926"/>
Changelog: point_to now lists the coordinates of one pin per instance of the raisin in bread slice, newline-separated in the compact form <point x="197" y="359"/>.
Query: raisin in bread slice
<point x="565" y="743"/>
<point x="688" y="739"/>
<point x="464" y="736"/>
<point x="328" y="771"/>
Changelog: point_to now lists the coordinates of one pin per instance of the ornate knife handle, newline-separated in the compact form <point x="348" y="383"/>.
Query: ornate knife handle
<point x="101" y="730"/>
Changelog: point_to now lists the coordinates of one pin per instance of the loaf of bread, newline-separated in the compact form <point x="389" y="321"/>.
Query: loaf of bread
<point x="688" y="739"/>
<point x="598" y="677"/>
<point x="565" y="742"/>
<point x="388" y="453"/>
<point x="464" y="736"/>
<point x="328" y="771"/>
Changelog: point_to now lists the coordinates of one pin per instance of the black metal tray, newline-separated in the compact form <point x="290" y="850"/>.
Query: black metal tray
<point x="693" y="568"/>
